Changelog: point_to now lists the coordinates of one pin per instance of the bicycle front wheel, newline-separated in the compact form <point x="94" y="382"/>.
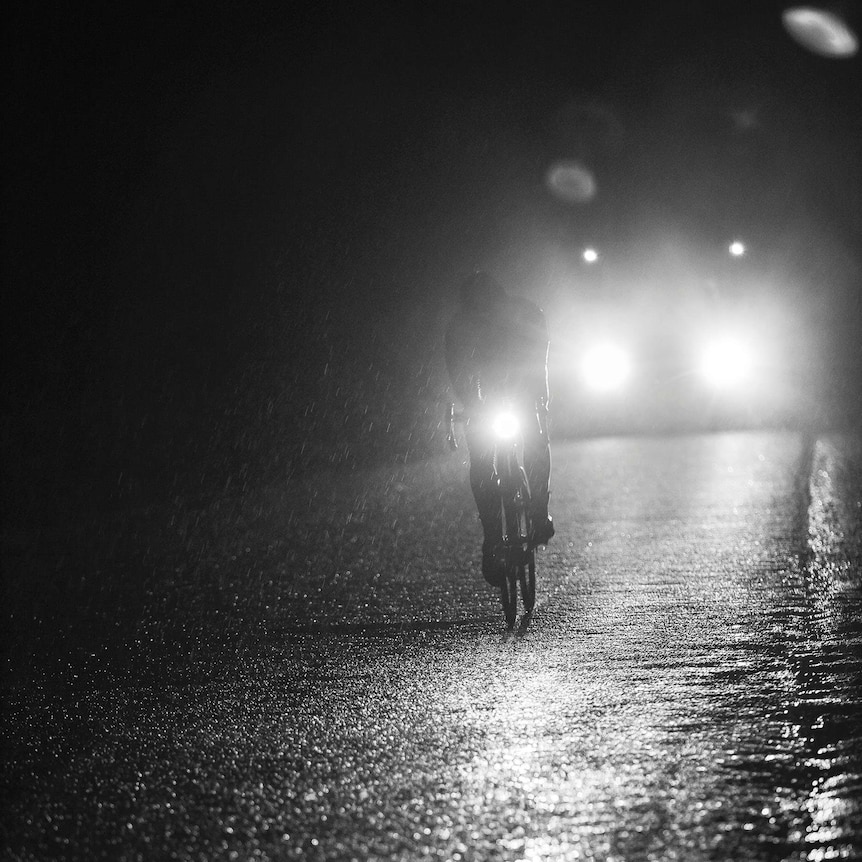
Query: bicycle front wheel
<point x="509" y="595"/>
<point x="527" y="567"/>
<point x="527" y="577"/>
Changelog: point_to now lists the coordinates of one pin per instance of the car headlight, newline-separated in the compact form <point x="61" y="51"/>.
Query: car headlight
<point x="726" y="361"/>
<point x="606" y="367"/>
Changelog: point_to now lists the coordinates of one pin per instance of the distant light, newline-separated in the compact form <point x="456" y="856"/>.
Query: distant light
<point x="590" y="255"/>
<point x="736" y="248"/>
<point x="820" y="31"/>
<point x="571" y="181"/>
<point x="606" y="367"/>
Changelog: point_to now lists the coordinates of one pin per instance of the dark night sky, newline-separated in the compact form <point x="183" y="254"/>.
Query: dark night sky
<point x="176" y="172"/>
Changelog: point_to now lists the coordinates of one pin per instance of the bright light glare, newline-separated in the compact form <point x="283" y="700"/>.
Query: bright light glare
<point x="737" y="249"/>
<point x="726" y="361"/>
<point x="505" y="425"/>
<point x="590" y="255"/>
<point x="606" y="367"/>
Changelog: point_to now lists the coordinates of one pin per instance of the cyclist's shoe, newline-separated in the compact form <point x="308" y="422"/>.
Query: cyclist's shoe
<point x="543" y="531"/>
<point x="492" y="563"/>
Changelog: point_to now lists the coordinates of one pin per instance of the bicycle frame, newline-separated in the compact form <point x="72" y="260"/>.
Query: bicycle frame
<point x="510" y="479"/>
<point x="519" y="554"/>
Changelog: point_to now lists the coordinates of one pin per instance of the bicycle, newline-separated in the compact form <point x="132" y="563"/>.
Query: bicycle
<point x="510" y="478"/>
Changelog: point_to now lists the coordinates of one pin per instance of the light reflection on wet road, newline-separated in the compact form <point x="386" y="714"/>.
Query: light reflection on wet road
<point x="689" y="688"/>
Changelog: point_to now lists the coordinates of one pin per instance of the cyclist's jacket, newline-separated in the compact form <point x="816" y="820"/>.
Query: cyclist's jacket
<point x="499" y="350"/>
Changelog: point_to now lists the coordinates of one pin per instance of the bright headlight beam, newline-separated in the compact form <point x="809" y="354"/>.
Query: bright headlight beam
<point x="606" y="367"/>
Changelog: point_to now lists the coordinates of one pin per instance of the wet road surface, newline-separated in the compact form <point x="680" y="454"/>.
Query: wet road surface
<point x="338" y="683"/>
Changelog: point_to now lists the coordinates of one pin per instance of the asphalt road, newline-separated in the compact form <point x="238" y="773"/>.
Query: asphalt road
<point x="318" y="672"/>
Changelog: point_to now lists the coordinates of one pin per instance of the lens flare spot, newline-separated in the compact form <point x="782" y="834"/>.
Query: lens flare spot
<point x="571" y="182"/>
<point x="821" y="32"/>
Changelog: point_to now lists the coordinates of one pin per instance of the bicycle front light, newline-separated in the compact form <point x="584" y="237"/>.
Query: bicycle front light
<point x="505" y="425"/>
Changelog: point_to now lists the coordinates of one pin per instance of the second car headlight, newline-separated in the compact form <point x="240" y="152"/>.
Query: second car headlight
<point x="606" y="367"/>
<point x="726" y="361"/>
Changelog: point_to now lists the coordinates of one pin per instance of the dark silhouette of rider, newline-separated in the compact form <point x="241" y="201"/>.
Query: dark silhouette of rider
<point x="497" y="347"/>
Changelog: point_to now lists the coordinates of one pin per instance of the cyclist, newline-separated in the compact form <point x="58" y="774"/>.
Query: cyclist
<point x="497" y="345"/>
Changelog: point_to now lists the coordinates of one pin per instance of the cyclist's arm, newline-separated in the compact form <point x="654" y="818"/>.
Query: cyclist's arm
<point x="543" y="387"/>
<point x="540" y="390"/>
<point x="463" y="370"/>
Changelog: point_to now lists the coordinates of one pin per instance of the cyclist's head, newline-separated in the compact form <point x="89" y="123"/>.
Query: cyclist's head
<point x="479" y="291"/>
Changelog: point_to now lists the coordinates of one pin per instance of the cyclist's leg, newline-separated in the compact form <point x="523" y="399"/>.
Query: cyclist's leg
<point x="537" y="463"/>
<point x="484" y="486"/>
<point x="487" y="497"/>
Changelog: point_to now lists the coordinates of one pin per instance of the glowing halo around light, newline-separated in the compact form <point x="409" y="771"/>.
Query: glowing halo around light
<point x="820" y="31"/>
<point x="571" y="182"/>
